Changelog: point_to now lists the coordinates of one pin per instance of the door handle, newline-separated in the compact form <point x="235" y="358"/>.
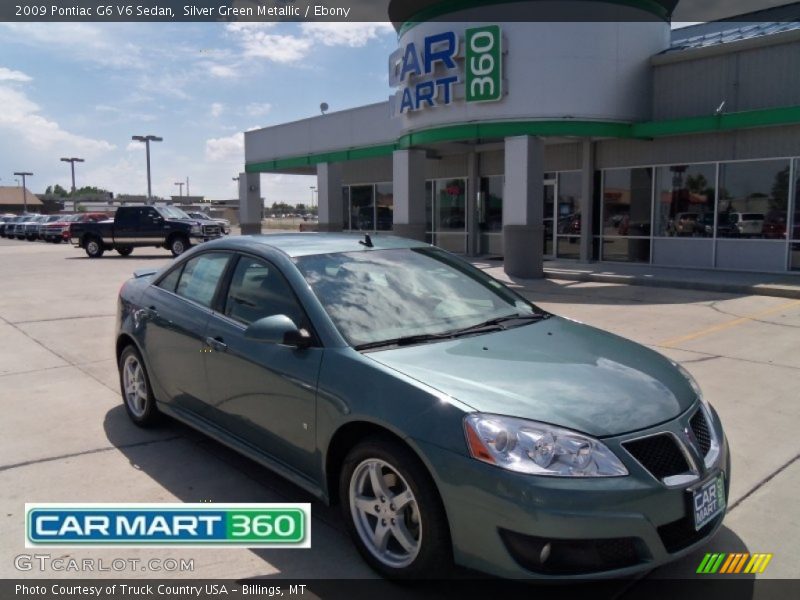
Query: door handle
<point x="217" y="344"/>
<point x="152" y="311"/>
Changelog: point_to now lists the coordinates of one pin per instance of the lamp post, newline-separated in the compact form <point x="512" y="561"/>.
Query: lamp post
<point x="24" y="174"/>
<point x="313" y="189"/>
<point x="147" y="139"/>
<point x="180" y="188"/>
<point x="72" y="162"/>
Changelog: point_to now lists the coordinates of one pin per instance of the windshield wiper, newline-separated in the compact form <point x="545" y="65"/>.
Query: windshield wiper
<point x="495" y="324"/>
<point x="405" y="341"/>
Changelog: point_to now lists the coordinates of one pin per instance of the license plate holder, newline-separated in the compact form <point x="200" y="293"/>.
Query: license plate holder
<point x="708" y="500"/>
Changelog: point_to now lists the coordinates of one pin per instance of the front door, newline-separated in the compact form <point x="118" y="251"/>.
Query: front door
<point x="263" y="393"/>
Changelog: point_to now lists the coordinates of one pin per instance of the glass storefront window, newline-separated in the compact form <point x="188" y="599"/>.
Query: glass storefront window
<point x="384" y="206"/>
<point x="627" y="202"/>
<point x="362" y="207"/>
<point x="568" y="227"/>
<point x="491" y="211"/>
<point x="684" y="204"/>
<point x="753" y="199"/>
<point x="451" y="205"/>
<point x="346" y="208"/>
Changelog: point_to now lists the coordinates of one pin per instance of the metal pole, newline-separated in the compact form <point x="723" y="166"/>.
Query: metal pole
<point x="147" y="148"/>
<point x="23" y="174"/>
<point x="72" y="165"/>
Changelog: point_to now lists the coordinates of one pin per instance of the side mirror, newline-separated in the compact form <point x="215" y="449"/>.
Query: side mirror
<point x="278" y="329"/>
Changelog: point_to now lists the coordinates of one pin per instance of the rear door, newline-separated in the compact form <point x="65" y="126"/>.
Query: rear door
<point x="264" y="393"/>
<point x="176" y="312"/>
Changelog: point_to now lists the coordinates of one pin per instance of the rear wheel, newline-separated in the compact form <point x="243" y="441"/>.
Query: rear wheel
<point x="125" y="251"/>
<point x="94" y="248"/>
<point x="178" y="245"/>
<point x="393" y="511"/>
<point x="136" y="391"/>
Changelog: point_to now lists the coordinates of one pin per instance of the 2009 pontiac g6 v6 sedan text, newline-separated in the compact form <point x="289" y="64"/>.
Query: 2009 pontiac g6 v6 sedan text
<point x="452" y="419"/>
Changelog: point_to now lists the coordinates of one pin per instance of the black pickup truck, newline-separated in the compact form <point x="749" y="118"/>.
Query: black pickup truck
<point x="137" y="226"/>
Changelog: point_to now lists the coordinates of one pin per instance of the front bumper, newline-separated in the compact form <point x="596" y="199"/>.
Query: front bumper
<point x="609" y="527"/>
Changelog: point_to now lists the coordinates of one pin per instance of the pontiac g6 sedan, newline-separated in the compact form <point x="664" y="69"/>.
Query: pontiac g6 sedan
<point x="453" y="420"/>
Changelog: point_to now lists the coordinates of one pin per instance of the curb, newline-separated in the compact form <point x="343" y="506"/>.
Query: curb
<point x="728" y="288"/>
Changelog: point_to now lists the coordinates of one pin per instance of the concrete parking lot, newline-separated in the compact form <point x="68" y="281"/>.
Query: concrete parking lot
<point x="64" y="436"/>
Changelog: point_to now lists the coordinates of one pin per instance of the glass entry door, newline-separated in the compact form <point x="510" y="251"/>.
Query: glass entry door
<point x="548" y="216"/>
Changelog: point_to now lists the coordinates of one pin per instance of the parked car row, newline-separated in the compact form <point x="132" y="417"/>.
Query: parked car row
<point x="47" y="228"/>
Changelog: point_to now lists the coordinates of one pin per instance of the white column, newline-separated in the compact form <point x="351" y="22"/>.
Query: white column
<point x="329" y="196"/>
<point x="251" y="206"/>
<point x="408" y="173"/>
<point x="523" y="207"/>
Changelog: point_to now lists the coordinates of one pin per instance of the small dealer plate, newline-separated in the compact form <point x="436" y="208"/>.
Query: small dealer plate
<point x="708" y="501"/>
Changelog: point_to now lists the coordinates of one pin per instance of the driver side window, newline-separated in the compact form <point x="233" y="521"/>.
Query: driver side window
<point x="259" y="290"/>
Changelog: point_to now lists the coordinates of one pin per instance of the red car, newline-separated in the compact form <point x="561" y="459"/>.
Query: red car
<point x="58" y="231"/>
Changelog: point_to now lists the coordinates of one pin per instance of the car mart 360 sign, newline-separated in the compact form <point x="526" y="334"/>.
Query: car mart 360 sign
<point x="426" y="74"/>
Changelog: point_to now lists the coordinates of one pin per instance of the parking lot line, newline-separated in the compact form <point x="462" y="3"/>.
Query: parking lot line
<point x="672" y="342"/>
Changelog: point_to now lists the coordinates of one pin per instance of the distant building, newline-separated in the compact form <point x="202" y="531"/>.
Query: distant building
<point x="11" y="200"/>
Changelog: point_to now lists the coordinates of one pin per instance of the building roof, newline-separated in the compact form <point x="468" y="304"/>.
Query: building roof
<point x="683" y="39"/>
<point x="11" y="195"/>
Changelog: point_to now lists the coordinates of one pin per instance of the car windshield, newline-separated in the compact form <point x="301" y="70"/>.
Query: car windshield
<point x="403" y="294"/>
<point x="170" y="212"/>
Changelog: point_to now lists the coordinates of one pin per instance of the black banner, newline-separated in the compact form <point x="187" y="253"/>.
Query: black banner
<point x="705" y="588"/>
<point x="398" y="11"/>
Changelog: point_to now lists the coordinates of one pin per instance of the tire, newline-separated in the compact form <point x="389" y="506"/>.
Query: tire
<point x="426" y="551"/>
<point x="125" y="251"/>
<point x="137" y="394"/>
<point x="94" y="247"/>
<point x="178" y="245"/>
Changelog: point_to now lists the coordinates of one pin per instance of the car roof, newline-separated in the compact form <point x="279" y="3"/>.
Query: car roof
<point x="310" y="243"/>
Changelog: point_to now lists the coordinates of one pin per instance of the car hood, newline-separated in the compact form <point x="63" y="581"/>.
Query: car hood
<point x="555" y="371"/>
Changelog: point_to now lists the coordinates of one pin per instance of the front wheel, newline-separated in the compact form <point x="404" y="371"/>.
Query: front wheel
<point x="393" y="511"/>
<point x="125" y="251"/>
<point x="137" y="394"/>
<point x="178" y="245"/>
<point x="94" y="248"/>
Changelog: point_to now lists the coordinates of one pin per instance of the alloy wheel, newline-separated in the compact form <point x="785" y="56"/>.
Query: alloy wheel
<point x="135" y="386"/>
<point x="385" y="513"/>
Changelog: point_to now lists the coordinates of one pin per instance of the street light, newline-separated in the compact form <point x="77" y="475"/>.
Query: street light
<point x="72" y="162"/>
<point x="147" y="139"/>
<point x="313" y="189"/>
<point x="180" y="187"/>
<point x="24" y="174"/>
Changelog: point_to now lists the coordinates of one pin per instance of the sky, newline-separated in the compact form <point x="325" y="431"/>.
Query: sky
<point x="83" y="89"/>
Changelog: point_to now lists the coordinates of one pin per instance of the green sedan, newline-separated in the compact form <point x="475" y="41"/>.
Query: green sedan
<point x="453" y="421"/>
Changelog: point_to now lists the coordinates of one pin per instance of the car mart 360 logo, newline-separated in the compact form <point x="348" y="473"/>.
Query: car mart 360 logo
<point x="250" y="525"/>
<point x="742" y="562"/>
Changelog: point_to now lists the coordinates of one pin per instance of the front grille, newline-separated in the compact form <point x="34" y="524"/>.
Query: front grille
<point x="659" y="454"/>
<point x="681" y="534"/>
<point x="572" y="557"/>
<point x="702" y="433"/>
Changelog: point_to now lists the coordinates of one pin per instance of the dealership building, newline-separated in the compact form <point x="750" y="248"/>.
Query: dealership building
<point x="610" y="141"/>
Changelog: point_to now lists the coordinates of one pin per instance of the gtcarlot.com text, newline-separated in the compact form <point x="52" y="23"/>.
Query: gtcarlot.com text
<point x="61" y="564"/>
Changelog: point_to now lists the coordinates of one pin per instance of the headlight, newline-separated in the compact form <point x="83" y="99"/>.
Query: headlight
<point x="695" y="387"/>
<point x="537" y="448"/>
<point x="197" y="230"/>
